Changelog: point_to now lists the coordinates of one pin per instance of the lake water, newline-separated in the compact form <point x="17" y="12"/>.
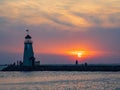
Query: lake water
<point x="59" y="80"/>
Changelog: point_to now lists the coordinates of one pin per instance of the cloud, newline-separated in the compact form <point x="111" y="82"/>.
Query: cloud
<point x="67" y="13"/>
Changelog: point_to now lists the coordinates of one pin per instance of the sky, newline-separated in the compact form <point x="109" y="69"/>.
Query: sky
<point x="61" y="30"/>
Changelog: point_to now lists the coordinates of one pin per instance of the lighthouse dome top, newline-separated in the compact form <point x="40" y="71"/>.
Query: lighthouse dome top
<point x="28" y="37"/>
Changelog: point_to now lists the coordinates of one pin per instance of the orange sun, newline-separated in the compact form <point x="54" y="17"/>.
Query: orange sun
<point x="79" y="54"/>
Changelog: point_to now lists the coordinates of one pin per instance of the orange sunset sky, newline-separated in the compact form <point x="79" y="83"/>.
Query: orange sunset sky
<point x="62" y="30"/>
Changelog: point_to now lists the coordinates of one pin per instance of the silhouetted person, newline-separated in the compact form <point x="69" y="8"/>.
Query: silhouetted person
<point x="76" y="62"/>
<point x="33" y="61"/>
<point x="85" y="64"/>
<point x="14" y="64"/>
<point x="20" y="63"/>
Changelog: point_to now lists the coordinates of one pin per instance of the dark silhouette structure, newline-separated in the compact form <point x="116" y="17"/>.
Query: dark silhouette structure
<point x="73" y="67"/>
<point x="28" y="58"/>
<point x="76" y="62"/>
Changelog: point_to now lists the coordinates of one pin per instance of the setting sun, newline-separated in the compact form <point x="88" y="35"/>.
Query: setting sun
<point x="79" y="54"/>
<point x="82" y="53"/>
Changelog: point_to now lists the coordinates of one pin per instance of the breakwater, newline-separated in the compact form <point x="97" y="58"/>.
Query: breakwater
<point x="64" y="68"/>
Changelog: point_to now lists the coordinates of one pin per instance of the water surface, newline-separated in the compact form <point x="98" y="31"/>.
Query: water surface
<point x="59" y="80"/>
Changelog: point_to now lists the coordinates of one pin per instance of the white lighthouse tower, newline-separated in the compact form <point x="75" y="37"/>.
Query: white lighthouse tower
<point x="28" y="58"/>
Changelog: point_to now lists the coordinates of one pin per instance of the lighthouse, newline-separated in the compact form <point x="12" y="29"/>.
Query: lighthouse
<point x="28" y="58"/>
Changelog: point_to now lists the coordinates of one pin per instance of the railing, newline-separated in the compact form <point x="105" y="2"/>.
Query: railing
<point x="28" y="41"/>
